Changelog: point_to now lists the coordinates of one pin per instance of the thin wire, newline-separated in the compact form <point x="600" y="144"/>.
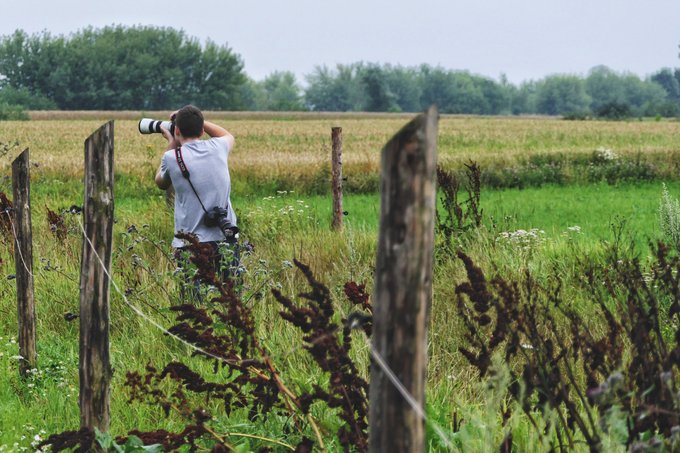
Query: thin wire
<point x="410" y="399"/>
<point x="16" y="239"/>
<point x="143" y="315"/>
<point x="417" y="408"/>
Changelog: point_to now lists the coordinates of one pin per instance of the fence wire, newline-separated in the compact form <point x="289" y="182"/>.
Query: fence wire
<point x="16" y="241"/>
<point x="353" y="324"/>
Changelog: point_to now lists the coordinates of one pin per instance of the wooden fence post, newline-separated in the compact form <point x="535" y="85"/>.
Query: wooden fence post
<point x="95" y="367"/>
<point x="403" y="284"/>
<point x="336" y="156"/>
<point x="23" y="258"/>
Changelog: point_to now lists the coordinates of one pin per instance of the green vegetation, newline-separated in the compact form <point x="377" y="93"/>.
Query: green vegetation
<point x="669" y="218"/>
<point x="549" y="230"/>
<point x="118" y="68"/>
<point x="143" y="67"/>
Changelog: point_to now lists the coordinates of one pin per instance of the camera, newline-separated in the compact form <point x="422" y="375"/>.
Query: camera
<point x="219" y="217"/>
<point x="151" y="126"/>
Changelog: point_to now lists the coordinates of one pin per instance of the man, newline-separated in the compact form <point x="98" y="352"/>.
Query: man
<point x="204" y="185"/>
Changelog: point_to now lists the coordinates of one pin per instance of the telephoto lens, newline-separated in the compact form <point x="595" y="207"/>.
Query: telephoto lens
<point x="151" y="126"/>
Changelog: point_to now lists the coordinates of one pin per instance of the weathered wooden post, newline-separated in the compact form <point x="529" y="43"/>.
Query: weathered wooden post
<point x="336" y="171"/>
<point x="23" y="259"/>
<point x="95" y="367"/>
<point x="403" y="285"/>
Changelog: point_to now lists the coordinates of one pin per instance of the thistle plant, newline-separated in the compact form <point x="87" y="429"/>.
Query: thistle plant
<point x="458" y="215"/>
<point x="566" y="375"/>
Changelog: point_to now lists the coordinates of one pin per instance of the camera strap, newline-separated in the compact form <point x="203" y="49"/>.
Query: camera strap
<point x="185" y="172"/>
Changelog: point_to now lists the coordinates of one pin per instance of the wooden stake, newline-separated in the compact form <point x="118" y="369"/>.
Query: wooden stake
<point x="403" y="284"/>
<point x="95" y="367"/>
<point x="23" y="258"/>
<point x="336" y="136"/>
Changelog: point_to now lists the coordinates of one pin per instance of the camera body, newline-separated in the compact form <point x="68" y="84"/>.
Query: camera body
<point x="219" y="217"/>
<point x="151" y="126"/>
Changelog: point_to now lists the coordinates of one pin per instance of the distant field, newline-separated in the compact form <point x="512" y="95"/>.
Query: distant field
<point x="292" y="151"/>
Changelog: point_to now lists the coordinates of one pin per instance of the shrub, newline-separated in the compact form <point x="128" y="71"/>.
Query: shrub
<point x="614" y="111"/>
<point x="12" y="112"/>
<point x="22" y="97"/>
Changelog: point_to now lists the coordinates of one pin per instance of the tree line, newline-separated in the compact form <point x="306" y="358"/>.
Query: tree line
<point x="158" y="68"/>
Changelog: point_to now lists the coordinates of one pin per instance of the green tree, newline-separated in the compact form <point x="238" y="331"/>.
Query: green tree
<point x="497" y="95"/>
<point x="253" y="95"/>
<point x="604" y="88"/>
<point x="403" y="83"/>
<point x="620" y="95"/>
<point x="338" y="90"/>
<point x="24" y="98"/>
<point x="523" y="98"/>
<point x="462" y="92"/>
<point x="119" y="67"/>
<point x="437" y="88"/>
<point x="645" y="97"/>
<point x="282" y="92"/>
<point x="667" y="80"/>
<point x="378" y="98"/>
<point x="561" y="95"/>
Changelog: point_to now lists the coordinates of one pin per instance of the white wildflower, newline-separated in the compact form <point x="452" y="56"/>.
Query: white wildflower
<point x="605" y="153"/>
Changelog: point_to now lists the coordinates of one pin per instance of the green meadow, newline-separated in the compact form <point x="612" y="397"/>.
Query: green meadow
<point x="550" y="202"/>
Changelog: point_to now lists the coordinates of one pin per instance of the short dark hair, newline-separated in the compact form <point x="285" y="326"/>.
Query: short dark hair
<point x="189" y="120"/>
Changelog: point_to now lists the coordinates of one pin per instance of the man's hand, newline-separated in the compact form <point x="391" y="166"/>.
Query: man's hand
<point x="214" y="130"/>
<point x="172" y="143"/>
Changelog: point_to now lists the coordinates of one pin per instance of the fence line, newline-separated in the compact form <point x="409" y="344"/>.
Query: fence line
<point x="417" y="408"/>
<point x="94" y="297"/>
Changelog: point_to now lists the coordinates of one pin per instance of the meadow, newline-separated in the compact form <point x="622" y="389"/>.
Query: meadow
<point x="556" y="194"/>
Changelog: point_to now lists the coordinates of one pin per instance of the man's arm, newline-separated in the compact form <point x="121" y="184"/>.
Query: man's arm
<point x="213" y="130"/>
<point x="161" y="182"/>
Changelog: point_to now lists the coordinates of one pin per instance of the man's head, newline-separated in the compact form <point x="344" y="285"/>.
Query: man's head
<point x="189" y="122"/>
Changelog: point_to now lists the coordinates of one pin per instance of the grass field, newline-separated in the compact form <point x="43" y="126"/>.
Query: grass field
<point x="286" y="153"/>
<point x="280" y="169"/>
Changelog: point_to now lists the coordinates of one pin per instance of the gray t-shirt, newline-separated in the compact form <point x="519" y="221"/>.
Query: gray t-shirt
<point x="206" y="161"/>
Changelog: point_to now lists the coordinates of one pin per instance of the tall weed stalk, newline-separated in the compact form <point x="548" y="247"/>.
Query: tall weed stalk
<point x="669" y="218"/>
<point x="459" y="215"/>
<point x="577" y="372"/>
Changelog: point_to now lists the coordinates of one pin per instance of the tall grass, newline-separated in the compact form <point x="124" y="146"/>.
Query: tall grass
<point x="570" y="224"/>
<point x="669" y="217"/>
<point x="281" y="227"/>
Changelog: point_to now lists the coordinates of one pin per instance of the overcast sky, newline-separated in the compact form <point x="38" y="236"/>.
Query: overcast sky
<point x="523" y="39"/>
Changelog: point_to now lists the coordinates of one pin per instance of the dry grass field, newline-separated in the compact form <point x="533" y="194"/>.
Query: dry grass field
<point x="293" y="149"/>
